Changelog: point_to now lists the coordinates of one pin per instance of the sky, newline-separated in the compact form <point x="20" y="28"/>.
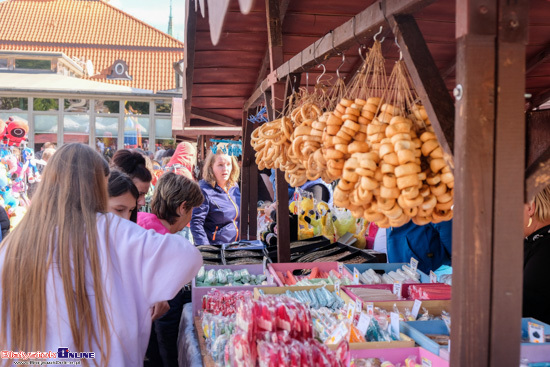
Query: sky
<point x="155" y="13"/>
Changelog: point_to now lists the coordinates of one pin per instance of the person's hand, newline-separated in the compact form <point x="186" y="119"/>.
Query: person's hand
<point x="159" y="309"/>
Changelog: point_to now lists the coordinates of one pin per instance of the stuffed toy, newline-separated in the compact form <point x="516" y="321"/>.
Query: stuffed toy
<point x="29" y="166"/>
<point x="15" y="132"/>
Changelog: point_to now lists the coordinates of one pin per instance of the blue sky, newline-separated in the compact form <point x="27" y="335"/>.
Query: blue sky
<point x="156" y="13"/>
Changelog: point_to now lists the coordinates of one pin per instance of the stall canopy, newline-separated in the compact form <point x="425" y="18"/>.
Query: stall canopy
<point x="478" y="66"/>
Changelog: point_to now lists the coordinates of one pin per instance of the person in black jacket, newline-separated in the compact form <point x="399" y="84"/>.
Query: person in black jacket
<point x="536" y="228"/>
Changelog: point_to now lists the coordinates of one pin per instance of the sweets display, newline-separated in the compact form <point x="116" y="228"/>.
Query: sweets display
<point x="430" y="291"/>
<point x="223" y="303"/>
<point x="403" y="275"/>
<point x="314" y="276"/>
<point x="212" y="277"/>
<point x="316" y="298"/>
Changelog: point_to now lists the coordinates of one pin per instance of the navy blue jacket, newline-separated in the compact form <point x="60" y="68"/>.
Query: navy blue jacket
<point x="429" y="244"/>
<point x="217" y="220"/>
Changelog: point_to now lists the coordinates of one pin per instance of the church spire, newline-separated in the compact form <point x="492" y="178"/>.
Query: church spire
<point x="170" y="21"/>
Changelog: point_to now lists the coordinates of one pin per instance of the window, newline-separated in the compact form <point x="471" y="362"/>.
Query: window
<point x="136" y="108"/>
<point x="162" y="108"/>
<point x="14" y="104"/>
<point x="33" y="64"/>
<point x="102" y="106"/>
<point x="3" y="63"/>
<point x="76" y="105"/>
<point x="106" y="132"/>
<point x="46" y="104"/>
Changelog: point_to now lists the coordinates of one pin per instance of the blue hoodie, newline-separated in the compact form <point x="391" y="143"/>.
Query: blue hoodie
<point x="217" y="220"/>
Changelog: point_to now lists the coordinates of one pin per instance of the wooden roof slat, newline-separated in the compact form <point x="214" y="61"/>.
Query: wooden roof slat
<point x="213" y="117"/>
<point x="427" y="81"/>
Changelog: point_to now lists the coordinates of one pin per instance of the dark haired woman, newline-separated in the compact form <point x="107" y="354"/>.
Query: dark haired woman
<point x="135" y="166"/>
<point x="123" y="195"/>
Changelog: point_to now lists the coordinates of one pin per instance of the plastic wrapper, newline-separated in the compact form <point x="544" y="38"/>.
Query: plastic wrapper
<point x="201" y="274"/>
<point x="224" y="303"/>
<point x="366" y="362"/>
<point x="411" y="362"/>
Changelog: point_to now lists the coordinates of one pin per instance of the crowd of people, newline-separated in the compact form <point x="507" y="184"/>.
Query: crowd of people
<point x="88" y="270"/>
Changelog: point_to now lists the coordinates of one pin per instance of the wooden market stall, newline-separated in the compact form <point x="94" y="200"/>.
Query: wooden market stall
<point x="491" y="56"/>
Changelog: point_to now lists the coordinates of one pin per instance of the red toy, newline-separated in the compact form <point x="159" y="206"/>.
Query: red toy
<point x="15" y="132"/>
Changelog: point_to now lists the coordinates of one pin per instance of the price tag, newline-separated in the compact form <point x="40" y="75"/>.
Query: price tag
<point x="341" y="268"/>
<point x="397" y="288"/>
<point x="269" y="279"/>
<point x="358" y="305"/>
<point x="370" y="309"/>
<point x="394" y="317"/>
<point x="433" y="277"/>
<point x="414" y="264"/>
<point x="265" y="265"/>
<point x="337" y="335"/>
<point x="536" y="333"/>
<point x="355" y="276"/>
<point x="351" y="310"/>
<point x="426" y="362"/>
<point x="416" y="308"/>
<point x="363" y="323"/>
<point x="337" y="288"/>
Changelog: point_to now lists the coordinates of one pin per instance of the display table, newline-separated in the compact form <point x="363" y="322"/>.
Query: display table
<point x="207" y="360"/>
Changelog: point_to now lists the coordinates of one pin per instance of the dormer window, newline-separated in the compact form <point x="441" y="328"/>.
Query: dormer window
<point x="119" y="71"/>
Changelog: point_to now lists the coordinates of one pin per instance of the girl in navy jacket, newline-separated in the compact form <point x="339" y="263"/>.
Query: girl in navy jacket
<point x="217" y="220"/>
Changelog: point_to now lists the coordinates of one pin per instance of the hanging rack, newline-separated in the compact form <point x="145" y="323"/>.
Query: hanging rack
<point x="324" y="71"/>
<point x="377" y="34"/>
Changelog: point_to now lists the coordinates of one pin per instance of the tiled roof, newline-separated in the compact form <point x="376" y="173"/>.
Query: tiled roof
<point x="96" y="31"/>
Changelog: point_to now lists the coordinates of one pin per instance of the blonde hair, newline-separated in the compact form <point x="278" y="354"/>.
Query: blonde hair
<point x="542" y="204"/>
<point x="208" y="172"/>
<point x="47" y="154"/>
<point x="59" y="228"/>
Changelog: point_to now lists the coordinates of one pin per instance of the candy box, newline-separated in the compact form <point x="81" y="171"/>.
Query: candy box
<point x="198" y="292"/>
<point x="399" y="355"/>
<point x="417" y="330"/>
<point x="384" y="268"/>
<point x="278" y="269"/>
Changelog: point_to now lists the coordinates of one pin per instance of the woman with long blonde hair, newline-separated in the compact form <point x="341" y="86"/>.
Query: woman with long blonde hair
<point x="76" y="277"/>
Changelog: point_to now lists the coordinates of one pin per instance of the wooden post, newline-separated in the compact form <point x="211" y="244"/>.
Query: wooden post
<point x="246" y="183"/>
<point x="489" y="152"/>
<point x="507" y="284"/>
<point x="474" y="165"/>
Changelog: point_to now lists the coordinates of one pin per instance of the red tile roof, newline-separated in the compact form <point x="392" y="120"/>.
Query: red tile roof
<point x="96" y="31"/>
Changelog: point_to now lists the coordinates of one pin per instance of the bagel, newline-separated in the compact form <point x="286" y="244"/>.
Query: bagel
<point x="433" y="179"/>
<point x="352" y="110"/>
<point x="333" y="172"/>
<point x="385" y="149"/>
<point x="374" y="100"/>
<point x="429" y="147"/>
<point x="451" y="184"/>
<point x="437" y="152"/>
<point x="438" y="190"/>
<point x="361" y="137"/>
<point x="347" y="130"/>
<point x="425" y="213"/>
<point x="385" y="117"/>
<point x="445" y="198"/>
<point x="338" y="139"/>
<point x="371" y="155"/>
<point x="378" y="175"/>
<point x="334" y="154"/>
<point x="417" y="143"/>
<point x="442" y="215"/>
<point x="447" y="177"/>
<point x="400" y="136"/>
<point x="370" y="108"/>
<point x="389" y="193"/>
<point x="332" y="129"/>
<point x="385" y="203"/>
<point x="404" y="182"/>
<point x="389" y="180"/>
<point x="410" y="203"/>
<point x="364" y="172"/>
<point x="425" y="191"/>
<point x="346" y="102"/>
<point x="403" y="145"/>
<point x="437" y="164"/>
<point x="384" y="223"/>
<point x="345" y="185"/>
<point x="397" y="120"/>
<point x="428" y="135"/>
<point x="368" y="183"/>
<point x="421" y="221"/>
<point x="444" y="206"/>
<point x="402" y="220"/>
<point x="373" y="216"/>
<point x="420" y="112"/>
<point x="405" y="156"/>
<point x="343" y="148"/>
<point x="391" y="158"/>
<point x="410" y="193"/>
<point x="364" y="195"/>
<point x="394" y="212"/>
<point x="334" y="120"/>
<point x="368" y="164"/>
<point x="358" y="147"/>
<point x="349" y="117"/>
<point x="407" y="169"/>
<point x="376" y="129"/>
<point x="360" y="102"/>
<point x="352" y="125"/>
<point x="411" y="212"/>
<point x="340" y="108"/>
<point x="350" y="175"/>
<point x="387" y="168"/>
<point x="364" y="120"/>
<point x="318" y="125"/>
<point x="366" y="115"/>
<point x="375" y="138"/>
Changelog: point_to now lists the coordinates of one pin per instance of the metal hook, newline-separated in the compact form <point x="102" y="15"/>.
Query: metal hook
<point x="377" y="34"/>
<point x="342" y="64"/>
<point x="361" y="54"/>
<point x="399" y="47"/>
<point x="307" y="79"/>
<point x="324" y="71"/>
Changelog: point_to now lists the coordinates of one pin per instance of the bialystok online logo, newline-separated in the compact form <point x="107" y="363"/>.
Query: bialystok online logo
<point x="62" y="353"/>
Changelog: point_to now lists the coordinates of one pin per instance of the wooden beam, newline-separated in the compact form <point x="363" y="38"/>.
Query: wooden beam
<point x="214" y="131"/>
<point x="213" y="117"/>
<point x="539" y="99"/>
<point x="248" y="157"/>
<point x="474" y="177"/>
<point x="536" y="60"/>
<point x="537" y="174"/>
<point x="275" y="48"/>
<point x="189" y="61"/>
<point x="427" y="80"/>
<point x="362" y="26"/>
<point x="506" y="284"/>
